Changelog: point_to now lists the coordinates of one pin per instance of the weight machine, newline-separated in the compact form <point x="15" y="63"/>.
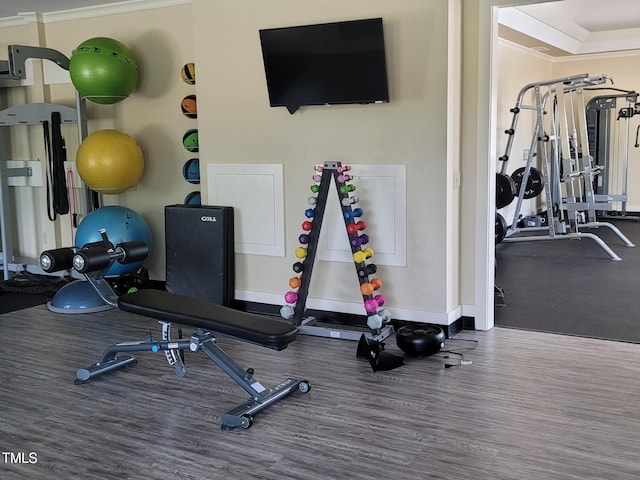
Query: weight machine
<point x="609" y="146"/>
<point x="560" y="142"/>
<point x="12" y="70"/>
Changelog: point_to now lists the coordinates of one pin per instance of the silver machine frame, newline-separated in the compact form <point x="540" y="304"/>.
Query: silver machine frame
<point x="560" y="142"/>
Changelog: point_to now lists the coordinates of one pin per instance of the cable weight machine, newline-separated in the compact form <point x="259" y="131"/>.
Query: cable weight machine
<point x="609" y="146"/>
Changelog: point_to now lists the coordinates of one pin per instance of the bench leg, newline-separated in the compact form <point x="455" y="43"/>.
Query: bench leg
<point x="118" y="356"/>
<point x="113" y="358"/>
<point x="261" y="397"/>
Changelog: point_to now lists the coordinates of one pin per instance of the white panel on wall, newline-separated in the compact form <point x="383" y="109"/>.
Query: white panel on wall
<point x="381" y="190"/>
<point x="257" y="196"/>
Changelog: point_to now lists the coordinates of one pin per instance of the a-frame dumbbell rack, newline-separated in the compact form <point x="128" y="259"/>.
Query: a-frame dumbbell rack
<point x="377" y="317"/>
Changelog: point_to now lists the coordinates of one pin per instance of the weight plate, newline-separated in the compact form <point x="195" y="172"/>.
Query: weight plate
<point x="535" y="182"/>
<point x="505" y="190"/>
<point x="501" y="228"/>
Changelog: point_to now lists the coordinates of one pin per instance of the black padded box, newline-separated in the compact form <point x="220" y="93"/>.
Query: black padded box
<point x="200" y="252"/>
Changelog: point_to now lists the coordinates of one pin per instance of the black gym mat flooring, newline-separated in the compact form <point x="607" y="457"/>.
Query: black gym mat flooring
<point x="572" y="286"/>
<point x="25" y="290"/>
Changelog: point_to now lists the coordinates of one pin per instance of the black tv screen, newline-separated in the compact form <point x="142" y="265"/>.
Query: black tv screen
<point x="325" y="64"/>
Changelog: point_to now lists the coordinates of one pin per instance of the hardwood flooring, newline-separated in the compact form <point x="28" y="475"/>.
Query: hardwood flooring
<point x="530" y="406"/>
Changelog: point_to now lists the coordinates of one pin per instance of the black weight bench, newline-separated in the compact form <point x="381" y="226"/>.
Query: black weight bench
<point x="210" y="320"/>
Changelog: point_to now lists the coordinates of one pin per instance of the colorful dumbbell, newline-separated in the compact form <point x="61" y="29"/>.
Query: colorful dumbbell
<point x="319" y="168"/>
<point x="367" y="270"/>
<point x="295" y="282"/>
<point x="370" y="305"/>
<point x="351" y="214"/>
<point x="291" y="297"/>
<point x="359" y="240"/>
<point x="347" y="188"/>
<point x="343" y="168"/>
<point x="366" y="288"/>
<point x="301" y="252"/>
<point x="344" y="178"/>
<point x="312" y="200"/>
<point x="361" y="255"/>
<point x="353" y="228"/>
<point x="317" y="178"/>
<point x="374" y="321"/>
<point x="378" y="319"/>
<point x="287" y="312"/>
<point x="309" y="212"/>
<point x="298" y="267"/>
<point x="385" y="314"/>
<point x="349" y="201"/>
<point x="303" y="238"/>
<point x="315" y="188"/>
<point x="306" y="225"/>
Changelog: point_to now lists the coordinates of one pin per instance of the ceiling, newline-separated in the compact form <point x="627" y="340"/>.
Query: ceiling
<point x="573" y="27"/>
<point x="556" y="28"/>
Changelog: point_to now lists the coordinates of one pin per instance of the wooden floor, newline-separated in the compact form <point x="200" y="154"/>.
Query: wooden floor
<point x="530" y="406"/>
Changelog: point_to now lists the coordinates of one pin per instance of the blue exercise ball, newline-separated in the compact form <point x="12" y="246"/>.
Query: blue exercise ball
<point x="121" y="225"/>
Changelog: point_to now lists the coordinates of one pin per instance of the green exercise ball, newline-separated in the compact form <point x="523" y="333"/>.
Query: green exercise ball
<point x="103" y="70"/>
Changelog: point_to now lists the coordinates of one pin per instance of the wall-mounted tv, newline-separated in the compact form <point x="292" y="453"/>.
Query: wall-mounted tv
<point x="325" y="64"/>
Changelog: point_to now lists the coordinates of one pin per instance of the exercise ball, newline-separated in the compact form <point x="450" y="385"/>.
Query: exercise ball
<point x="103" y="70"/>
<point x="121" y="225"/>
<point x="190" y="140"/>
<point x="188" y="73"/>
<point x="189" y="106"/>
<point x="191" y="170"/>
<point x="109" y="161"/>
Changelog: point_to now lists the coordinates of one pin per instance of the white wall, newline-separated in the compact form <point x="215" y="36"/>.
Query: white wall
<point x="238" y="126"/>
<point x="479" y="151"/>
<point x="416" y="130"/>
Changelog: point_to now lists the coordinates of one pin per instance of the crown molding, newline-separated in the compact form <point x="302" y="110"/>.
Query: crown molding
<point x="597" y="56"/>
<point x="89" y="12"/>
<point x="523" y="50"/>
<point x="567" y="36"/>
<point x="21" y="19"/>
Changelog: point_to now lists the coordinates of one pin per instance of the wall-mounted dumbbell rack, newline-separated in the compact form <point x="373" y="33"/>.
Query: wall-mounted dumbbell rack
<point x="362" y="254"/>
<point x="562" y="146"/>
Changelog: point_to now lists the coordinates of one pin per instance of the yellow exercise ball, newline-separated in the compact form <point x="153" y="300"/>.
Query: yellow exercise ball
<point x="109" y="161"/>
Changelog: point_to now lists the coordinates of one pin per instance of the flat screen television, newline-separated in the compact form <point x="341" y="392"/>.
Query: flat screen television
<point x="325" y="64"/>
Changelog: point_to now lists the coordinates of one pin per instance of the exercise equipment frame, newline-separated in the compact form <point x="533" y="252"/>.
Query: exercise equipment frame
<point x="578" y="172"/>
<point x="14" y="69"/>
<point x="145" y="302"/>
<point x="307" y="325"/>
<point x="210" y="320"/>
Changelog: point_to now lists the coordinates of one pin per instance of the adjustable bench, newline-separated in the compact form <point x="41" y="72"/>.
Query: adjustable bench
<point x="210" y="320"/>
